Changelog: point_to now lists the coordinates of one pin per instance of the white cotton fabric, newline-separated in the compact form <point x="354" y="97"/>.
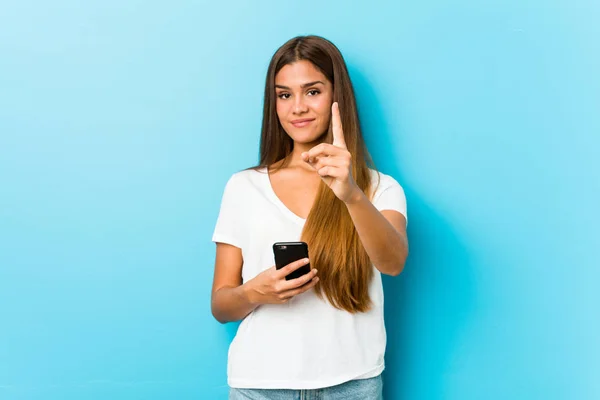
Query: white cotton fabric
<point x="305" y="343"/>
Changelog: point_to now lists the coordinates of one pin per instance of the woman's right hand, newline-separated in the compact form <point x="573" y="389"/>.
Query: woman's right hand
<point x="270" y="286"/>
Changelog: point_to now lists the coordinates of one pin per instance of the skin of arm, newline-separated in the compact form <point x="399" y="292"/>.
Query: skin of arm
<point x="383" y="234"/>
<point x="230" y="300"/>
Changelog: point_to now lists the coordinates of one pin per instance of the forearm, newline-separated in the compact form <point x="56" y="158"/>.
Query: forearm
<point x="386" y="247"/>
<point x="232" y="304"/>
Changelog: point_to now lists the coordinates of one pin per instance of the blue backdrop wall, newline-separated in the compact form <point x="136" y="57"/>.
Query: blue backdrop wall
<point x="120" y="123"/>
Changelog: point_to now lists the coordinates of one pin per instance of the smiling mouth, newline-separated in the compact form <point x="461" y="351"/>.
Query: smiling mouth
<point x="302" y="123"/>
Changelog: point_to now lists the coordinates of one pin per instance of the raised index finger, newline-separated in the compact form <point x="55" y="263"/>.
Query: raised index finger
<point x="336" y="126"/>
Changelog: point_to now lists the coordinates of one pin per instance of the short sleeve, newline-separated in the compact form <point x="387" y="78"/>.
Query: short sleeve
<point x="389" y="195"/>
<point x="228" y="228"/>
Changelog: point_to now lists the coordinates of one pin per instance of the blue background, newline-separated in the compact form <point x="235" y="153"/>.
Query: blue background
<point x="120" y="123"/>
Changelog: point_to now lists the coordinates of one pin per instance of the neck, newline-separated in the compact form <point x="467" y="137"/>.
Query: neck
<point x="295" y="156"/>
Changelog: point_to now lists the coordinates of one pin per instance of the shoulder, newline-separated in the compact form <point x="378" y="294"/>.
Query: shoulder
<point x="380" y="182"/>
<point x="388" y="194"/>
<point x="244" y="179"/>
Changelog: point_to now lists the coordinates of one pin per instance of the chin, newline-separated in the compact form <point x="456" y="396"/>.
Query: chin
<point x="305" y="140"/>
<point x="306" y="137"/>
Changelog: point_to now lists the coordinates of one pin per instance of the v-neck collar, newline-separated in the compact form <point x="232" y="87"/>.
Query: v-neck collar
<point x="276" y="200"/>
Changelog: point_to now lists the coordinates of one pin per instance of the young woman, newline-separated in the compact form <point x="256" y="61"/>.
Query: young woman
<point x="323" y="334"/>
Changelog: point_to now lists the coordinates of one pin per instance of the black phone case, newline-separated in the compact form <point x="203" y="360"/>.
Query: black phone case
<point x="288" y="252"/>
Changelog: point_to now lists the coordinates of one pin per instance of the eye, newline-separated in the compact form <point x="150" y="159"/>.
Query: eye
<point x="313" y="92"/>
<point x="283" y="96"/>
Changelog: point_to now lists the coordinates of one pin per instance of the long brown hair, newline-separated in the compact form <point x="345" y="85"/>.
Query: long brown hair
<point x="335" y="248"/>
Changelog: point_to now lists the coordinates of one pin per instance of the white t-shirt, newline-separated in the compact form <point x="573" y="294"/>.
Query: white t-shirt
<point x="305" y="343"/>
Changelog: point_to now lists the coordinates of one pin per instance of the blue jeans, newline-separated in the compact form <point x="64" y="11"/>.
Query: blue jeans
<point x="359" y="389"/>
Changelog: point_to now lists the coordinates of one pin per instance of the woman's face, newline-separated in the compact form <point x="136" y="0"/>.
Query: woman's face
<point x="304" y="98"/>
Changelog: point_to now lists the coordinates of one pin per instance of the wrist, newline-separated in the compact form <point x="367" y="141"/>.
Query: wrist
<point x="247" y="294"/>
<point x="356" y="196"/>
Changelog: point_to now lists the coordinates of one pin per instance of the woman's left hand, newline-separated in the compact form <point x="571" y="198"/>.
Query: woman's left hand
<point x="333" y="162"/>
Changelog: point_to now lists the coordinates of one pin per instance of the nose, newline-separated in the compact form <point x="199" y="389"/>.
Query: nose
<point x="299" y="105"/>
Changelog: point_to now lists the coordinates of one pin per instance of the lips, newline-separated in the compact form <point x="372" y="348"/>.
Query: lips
<point x="299" y="123"/>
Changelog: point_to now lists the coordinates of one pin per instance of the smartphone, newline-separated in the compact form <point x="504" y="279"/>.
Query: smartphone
<point x="288" y="252"/>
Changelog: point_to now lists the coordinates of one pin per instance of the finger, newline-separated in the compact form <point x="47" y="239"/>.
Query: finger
<point x="322" y="150"/>
<point x="302" y="289"/>
<point x="291" y="267"/>
<point x="336" y="126"/>
<point x="322" y="162"/>
<point x="295" y="292"/>
<point x="338" y="162"/>
<point x="297" y="282"/>
<point x="331" y="171"/>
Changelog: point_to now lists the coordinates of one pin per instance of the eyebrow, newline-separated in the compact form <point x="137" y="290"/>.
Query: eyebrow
<point x="303" y="86"/>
